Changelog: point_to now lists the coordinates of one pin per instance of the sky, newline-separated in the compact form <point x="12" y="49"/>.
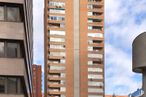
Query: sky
<point x="124" y="20"/>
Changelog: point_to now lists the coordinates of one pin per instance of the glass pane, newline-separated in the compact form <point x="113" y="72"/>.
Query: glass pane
<point x="2" y="85"/>
<point x="12" y="50"/>
<point x="1" y="13"/>
<point x="12" y="85"/>
<point x="13" y="14"/>
<point x="1" y="49"/>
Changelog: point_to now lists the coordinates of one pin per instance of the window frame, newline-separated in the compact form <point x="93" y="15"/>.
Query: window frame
<point x="6" y="6"/>
<point x="19" y="87"/>
<point x="20" y="54"/>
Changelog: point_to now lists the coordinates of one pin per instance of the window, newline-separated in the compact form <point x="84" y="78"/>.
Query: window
<point x="57" y="46"/>
<point x="1" y="49"/>
<point x="94" y="83"/>
<point x="57" y="68"/>
<point x="10" y="13"/>
<point x="100" y="35"/>
<point x="57" y="39"/>
<point x="10" y="85"/>
<point x="57" y="4"/>
<point x="95" y="55"/>
<point x="89" y="27"/>
<point x="1" y="12"/>
<point x="59" y="18"/>
<point x="13" y="14"/>
<point x="95" y="70"/>
<point x="10" y="49"/>
<point x="53" y="32"/>
<point x="95" y="90"/>
<point x="2" y="85"/>
<point x="57" y="11"/>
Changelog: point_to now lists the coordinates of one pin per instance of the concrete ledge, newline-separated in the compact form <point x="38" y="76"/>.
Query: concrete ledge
<point x="12" y="30"/>
<point x="12" y="66"/>
<point x="9" y="95"/>
<point x="13" y="1"/>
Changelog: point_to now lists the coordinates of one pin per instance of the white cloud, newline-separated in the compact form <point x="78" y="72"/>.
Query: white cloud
<point x="123" y="22"/>
<point x="119" y="76"/>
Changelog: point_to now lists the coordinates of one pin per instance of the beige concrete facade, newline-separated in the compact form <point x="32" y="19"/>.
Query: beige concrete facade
<point x="12" y="30"/>
<point x="4" y="95"/>
<point x="13" y="1"/>
<point x="12" y="67"/>
<point x="22" y="33"/>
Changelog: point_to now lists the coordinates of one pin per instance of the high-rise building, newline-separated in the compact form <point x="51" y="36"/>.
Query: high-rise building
<point x="74" y="48"/>
<point x="37" y="76"/>
<point x="16" y="48"/>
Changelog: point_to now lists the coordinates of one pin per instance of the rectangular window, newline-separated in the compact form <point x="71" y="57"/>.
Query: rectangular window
<point x="1" y="12"/>
<point x="13" y="14"/>
<point x="12" y="83"/>
<point x="1" y="49"/>
<point x="53" y="32"/>
<point x="95" y="90"/>
<point x="89" y="27"/>
<point x="2" y="85"/>
<point x="10" y="13"/>
<point x="10" y="49"/>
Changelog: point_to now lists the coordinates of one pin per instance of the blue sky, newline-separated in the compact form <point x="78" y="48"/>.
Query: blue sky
<point x="124" y="20"/>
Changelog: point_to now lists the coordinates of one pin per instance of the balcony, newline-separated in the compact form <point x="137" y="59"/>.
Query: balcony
<point x="100" y="24"/>
<point x="56" y="10"/>
<point x="56" y="50"/>
<point x="95" y="69"/>
<point x="56" y="93"/>
<point x="96" y="16"/>
<point x="56" y="57"/>
<point x="96" y="38"/>
<point x="56" y="78"/>
<point x="57" y="43"/>
<point x="56" y="71"/>
<point x="56" y="21"/>
<point x="93" y="65"/>
<point x="96" y="93"/>
<point x="96" y="1"/>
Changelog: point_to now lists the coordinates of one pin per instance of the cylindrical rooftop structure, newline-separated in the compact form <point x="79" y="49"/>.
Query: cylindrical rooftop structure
<point x="139" y="57"/>
<point x="139" y="53"/>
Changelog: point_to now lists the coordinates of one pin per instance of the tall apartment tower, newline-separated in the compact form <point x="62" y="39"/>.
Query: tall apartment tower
<point x="16" y="48"/>
<point x="74" y="48"/>
<point x="37" y="80"/>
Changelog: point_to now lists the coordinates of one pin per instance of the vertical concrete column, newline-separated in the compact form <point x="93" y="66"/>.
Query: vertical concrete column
<point x="76" y="50"/>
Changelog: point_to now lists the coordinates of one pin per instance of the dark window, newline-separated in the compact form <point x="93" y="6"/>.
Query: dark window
<point x="1" y="49"/>
<point x="1" y="12"/>
<point x="11" y="49"/>
<point x="10" y="12"/>
<point x="2" y="84"/>
<point x="13" y="14"/>
<point x="11" y="85"/>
